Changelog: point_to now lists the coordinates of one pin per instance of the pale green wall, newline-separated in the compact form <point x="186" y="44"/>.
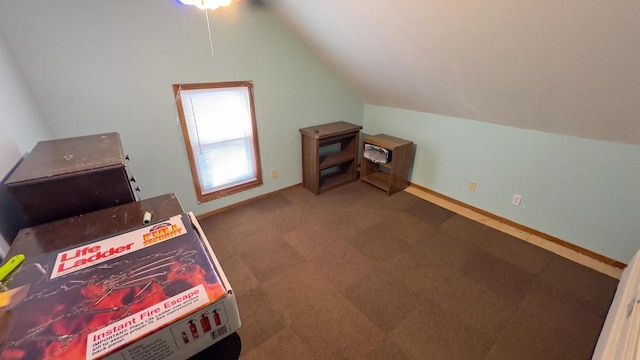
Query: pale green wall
<point x="108" y="66"/>
<point x="101" y="66"/>
<point x="581" y="191"/>
<point x="21" y="128"/>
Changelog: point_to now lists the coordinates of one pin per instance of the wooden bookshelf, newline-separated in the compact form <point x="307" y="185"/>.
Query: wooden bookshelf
<point x="329" y="155"/>
<point x="392" y="176"/>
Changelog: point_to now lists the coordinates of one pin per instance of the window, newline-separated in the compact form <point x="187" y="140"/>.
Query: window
<point x="219" y="127"/>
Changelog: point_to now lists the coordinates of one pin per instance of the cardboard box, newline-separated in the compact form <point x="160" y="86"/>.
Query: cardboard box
<point x="157" y="292"/>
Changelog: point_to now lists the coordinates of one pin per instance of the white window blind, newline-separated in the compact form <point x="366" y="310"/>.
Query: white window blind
<point x="220" y="127"/>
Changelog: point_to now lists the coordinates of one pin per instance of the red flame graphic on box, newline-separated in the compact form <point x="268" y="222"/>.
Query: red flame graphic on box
<point x="58" y="327"/>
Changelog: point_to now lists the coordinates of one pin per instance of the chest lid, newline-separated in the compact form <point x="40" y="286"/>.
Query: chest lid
<point x="64" y="156"/>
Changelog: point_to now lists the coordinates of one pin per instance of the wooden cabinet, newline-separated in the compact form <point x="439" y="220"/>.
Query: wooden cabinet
<point x="68" y="177"/>
<point x="60" y="234"/>
<point x="392" y="176"/>
<point x="329" y="155"/>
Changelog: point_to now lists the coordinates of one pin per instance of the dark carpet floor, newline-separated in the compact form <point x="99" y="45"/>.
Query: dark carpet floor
<point x="356" y="274"/>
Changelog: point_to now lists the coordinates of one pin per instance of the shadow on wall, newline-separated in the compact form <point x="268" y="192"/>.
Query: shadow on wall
<point x="412" y="159"/>
<point x="361" y="145"/>
<point x="11" y="220"/>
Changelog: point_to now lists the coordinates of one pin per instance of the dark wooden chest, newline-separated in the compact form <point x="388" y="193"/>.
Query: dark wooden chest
<point x="68" y="177"/>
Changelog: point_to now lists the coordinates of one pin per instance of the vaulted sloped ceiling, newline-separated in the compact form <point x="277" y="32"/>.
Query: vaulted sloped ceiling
<point x="569" y="67"/>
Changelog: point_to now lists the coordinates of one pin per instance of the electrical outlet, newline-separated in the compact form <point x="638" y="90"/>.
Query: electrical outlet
<point x="473" y="185"/>
<point x="515" y="200"/>
<point x="274" y="173"/>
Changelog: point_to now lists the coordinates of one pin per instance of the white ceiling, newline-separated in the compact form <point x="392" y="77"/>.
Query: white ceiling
<point x="569" y="66"/>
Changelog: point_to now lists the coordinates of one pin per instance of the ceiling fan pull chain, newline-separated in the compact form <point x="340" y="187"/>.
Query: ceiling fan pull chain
<point x="206" y="11"/>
